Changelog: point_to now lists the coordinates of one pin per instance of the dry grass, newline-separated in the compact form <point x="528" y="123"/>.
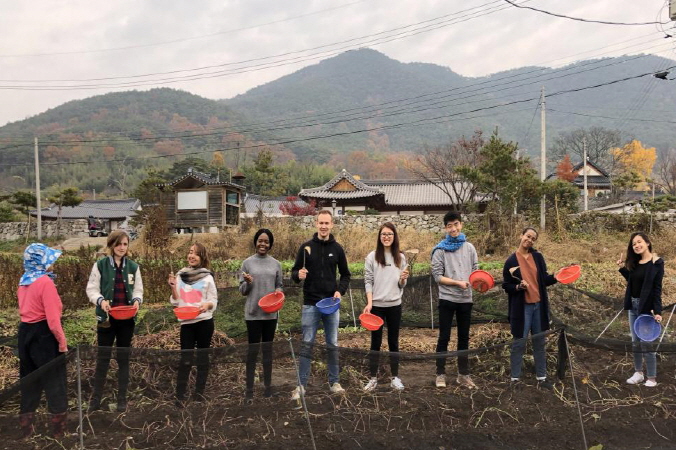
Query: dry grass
<point x="235" y="244"/>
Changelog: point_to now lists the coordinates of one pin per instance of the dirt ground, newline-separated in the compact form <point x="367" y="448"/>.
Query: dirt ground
<point x="498" y="415"/>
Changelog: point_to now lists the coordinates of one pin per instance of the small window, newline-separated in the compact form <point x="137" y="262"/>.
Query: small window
<point x="232" y="198"/>
<point x="191" y="200"/>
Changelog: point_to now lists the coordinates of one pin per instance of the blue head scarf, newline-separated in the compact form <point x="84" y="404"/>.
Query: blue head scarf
<point x="451" y="244"/>
<point x="36" y="258"/>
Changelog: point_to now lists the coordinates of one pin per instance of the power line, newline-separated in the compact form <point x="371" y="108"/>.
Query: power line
<point x="175" y="41"/>
<point x="423" y="27"/>
<point x="579" y="19"/>
<point x="612" y="118"/>
<point x="400" y="125"/>
<point x="409" y="108"/>
<point x="379" y="106"/>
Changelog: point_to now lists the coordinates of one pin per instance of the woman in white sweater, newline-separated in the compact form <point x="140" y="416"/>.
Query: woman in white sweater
<point x="385" y="274"/>
<point x="194" y="286"/>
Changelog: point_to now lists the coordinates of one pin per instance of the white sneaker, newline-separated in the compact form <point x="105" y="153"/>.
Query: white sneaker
<point x="295" y="395"/>
<point x="636" y="378"/>
<point x="396" y="384"/>
<point x="441" y="381"/>
<point x="466" y="380"/>
<point x="650" y="383"/>
<point x="336" y="388"/>
<point x="371" y="385"/>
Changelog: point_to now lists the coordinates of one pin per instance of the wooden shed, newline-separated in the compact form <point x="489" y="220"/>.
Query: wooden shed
<point x="196" y="202"/>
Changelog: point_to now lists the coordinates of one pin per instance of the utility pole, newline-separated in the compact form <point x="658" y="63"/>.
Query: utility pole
<point x="37" y="190"/>
<point x="584" y="173"/>
<point x="543" y="154"/>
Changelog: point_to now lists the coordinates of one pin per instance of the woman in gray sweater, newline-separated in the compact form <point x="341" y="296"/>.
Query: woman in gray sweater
<point x="385" y="274"/>
<point x="260" y="275"/>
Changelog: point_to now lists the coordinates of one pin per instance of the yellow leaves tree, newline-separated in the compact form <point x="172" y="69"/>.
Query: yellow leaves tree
<point x="634" y="161"/>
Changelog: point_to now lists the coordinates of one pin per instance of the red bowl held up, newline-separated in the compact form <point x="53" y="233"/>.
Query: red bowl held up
<point x="122" y="312"/>
<point x="186" y="312"/>
<point x="568" y="274"/>
<point x="272" y="302"/>
<point x="481" y="280"/>
<point x="371" y="321"/>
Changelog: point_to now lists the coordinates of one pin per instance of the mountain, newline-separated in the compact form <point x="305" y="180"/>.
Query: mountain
<point x="364" y="89"/>
<point x="110" y="130"/>
<point x="324" y="110"/>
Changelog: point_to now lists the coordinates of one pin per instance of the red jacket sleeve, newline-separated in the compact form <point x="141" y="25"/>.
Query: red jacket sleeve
<point x="53" y="307"/>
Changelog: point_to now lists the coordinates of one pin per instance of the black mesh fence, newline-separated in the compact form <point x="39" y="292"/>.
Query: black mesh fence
<point x="420" y="416"/>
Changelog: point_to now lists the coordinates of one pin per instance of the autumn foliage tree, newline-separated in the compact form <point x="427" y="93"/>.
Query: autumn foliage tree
<point x="564" y="170"/>
<point x="291" y="207"/>
<point x="634" y="164"/>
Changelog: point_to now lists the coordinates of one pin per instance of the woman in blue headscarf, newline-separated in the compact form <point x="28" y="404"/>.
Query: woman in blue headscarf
<point x="41" y="341"/>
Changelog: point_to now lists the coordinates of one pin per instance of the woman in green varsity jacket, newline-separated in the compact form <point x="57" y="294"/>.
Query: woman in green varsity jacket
<point x="114" y="281"/>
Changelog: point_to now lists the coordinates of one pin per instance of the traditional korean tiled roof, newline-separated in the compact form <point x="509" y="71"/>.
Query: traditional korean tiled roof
<point x="414" y="193"/>
<point x="329" y="191"/>
<point x="204" y="178"/>
<point x="99" y="209"/>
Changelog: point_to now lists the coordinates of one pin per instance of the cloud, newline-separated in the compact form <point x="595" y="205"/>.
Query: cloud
<point x="90" y="39"/>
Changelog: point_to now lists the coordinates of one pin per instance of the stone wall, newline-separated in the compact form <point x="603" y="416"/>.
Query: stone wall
<point x="426" y="222"/>
<point x="10" y="231"/>
<point x="588" y="223"/>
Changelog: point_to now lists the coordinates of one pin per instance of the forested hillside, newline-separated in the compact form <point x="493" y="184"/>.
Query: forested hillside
<point x="359" y="110"/>
<point x="365" y="89"/>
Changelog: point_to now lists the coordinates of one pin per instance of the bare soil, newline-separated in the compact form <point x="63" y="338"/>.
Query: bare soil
<point x="498" y="415"/>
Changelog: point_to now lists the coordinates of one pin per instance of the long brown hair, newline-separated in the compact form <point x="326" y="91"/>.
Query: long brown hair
<point x="380" y="248"/>
<point x="632" y="257"/>
<point x="201" y="251"/>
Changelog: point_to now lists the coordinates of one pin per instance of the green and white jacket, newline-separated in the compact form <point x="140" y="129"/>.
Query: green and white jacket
<point x="101" y="283"/>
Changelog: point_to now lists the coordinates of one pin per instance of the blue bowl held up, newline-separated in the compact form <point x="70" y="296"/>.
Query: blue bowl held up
<point x="328" y="305"/>
<point x="647" y="328"/>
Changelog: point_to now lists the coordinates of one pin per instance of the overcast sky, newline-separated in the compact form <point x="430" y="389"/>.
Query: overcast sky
<point x="239" y="40"/>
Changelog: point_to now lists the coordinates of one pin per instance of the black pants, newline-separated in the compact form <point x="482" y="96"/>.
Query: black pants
<point x="463" y="314"/>
<point x="119" y="333"/>
<point x="391" y="315"/>
<point x="194" y="335"/>
<point x="37" y="347"/>
<point x="261" y="333"/>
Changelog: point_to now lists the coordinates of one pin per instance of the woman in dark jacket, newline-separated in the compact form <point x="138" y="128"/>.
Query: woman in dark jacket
<point x="525" y="281"/>
<point x="643" y="271"/>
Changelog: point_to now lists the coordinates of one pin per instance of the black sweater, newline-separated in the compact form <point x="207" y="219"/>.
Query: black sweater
<point x="321" y="263"/>
<point x="651" y="292"/>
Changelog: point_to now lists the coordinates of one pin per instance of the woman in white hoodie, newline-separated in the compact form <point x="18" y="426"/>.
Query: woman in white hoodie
<point x="194" y="286"/>
<point x="385" y="274"/>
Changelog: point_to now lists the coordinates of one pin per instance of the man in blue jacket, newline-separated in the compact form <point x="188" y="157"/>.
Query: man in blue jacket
<point x="316" y="264"/>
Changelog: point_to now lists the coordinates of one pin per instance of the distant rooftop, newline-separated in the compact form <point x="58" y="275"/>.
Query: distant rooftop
<point x="99" y="209"/>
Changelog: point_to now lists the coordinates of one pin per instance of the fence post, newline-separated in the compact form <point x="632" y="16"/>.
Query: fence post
<point x="354" y="318"/>
<point x="79" y="397"/>
<point x="431" y="303"/>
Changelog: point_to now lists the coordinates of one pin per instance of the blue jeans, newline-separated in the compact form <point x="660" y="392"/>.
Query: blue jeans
<point x="641" y="350"/>
<point x="310" y="319"/>
<point x="532" y="323"/>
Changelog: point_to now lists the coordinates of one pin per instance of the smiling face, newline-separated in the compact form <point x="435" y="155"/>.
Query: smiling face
<point x="528" y="239"/>
<point x="263" y="244"/>
<point x="324" y="225"/>
<point x="386" y="237"/>
<point x="639" y="245"/>
<point x="194" y="259"/>
<point x="454" y="228"/>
